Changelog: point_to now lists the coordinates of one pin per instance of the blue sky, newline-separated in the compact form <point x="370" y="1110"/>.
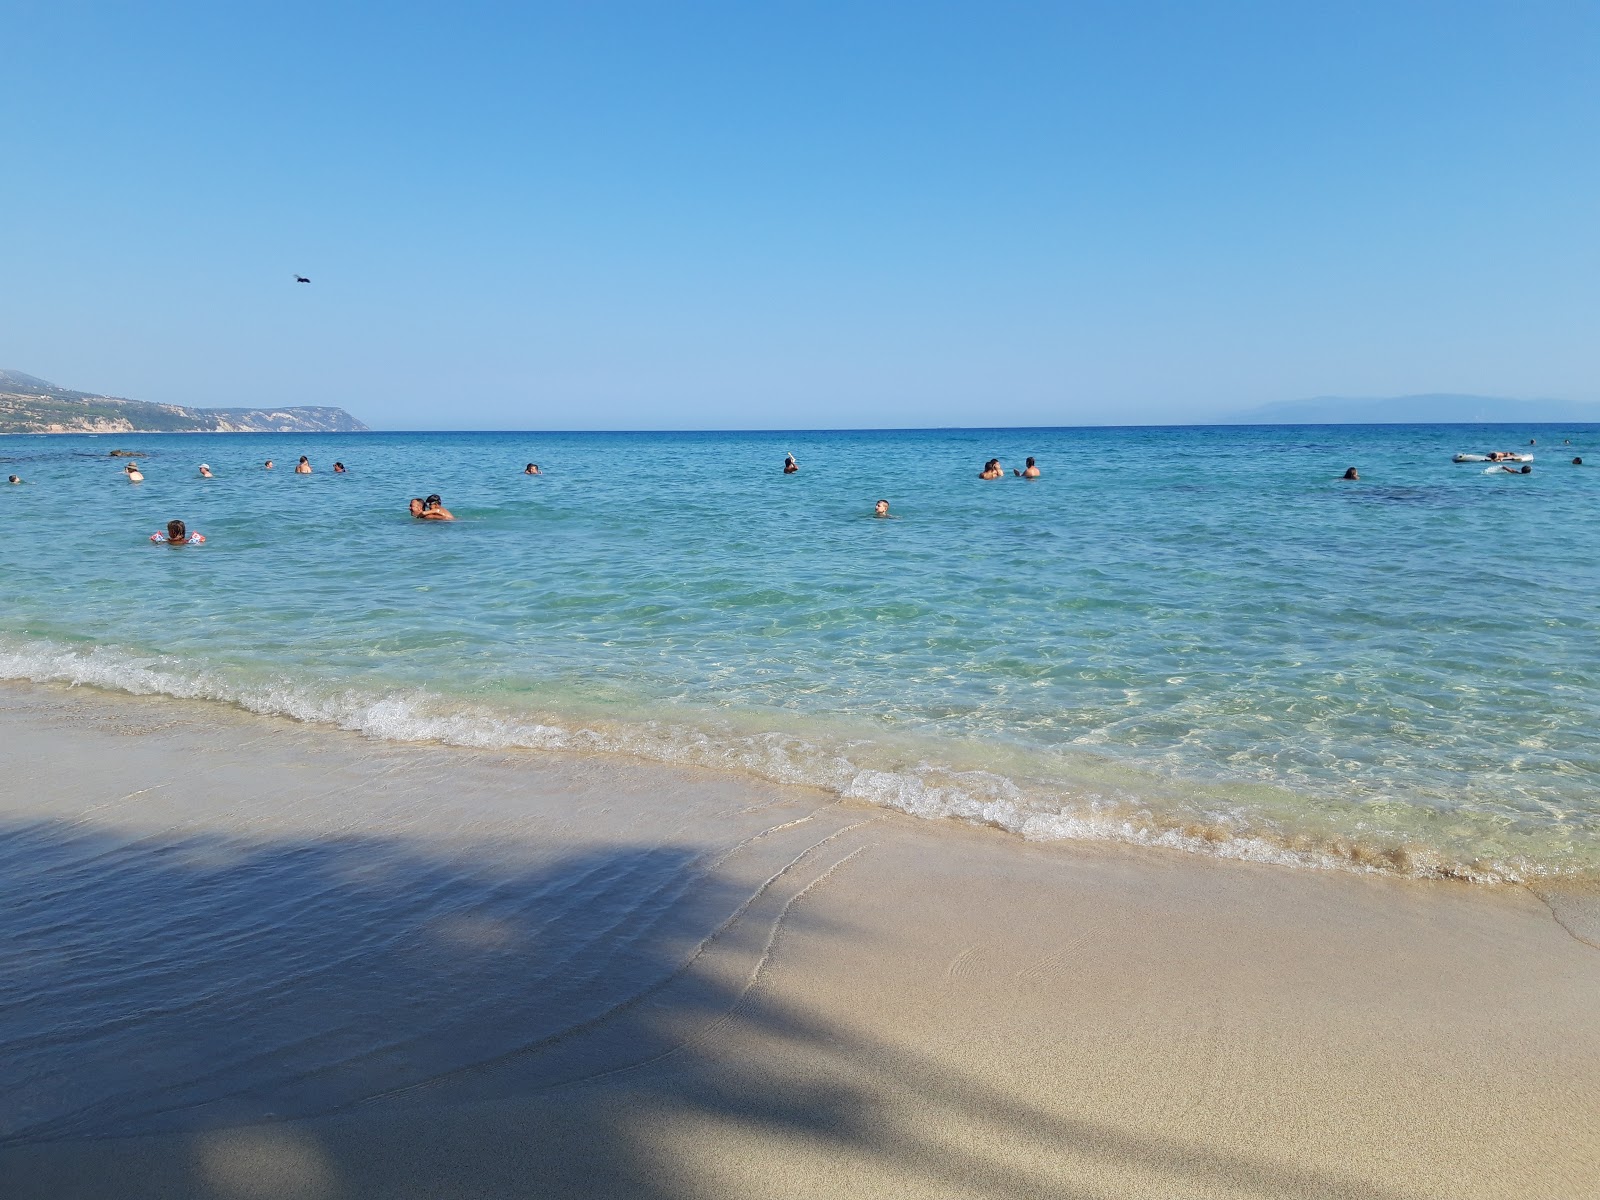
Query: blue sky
<point x="702" y="215"/>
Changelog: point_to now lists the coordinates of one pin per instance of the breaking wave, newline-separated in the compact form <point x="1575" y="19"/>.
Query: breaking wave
<point x="851" y="770"/>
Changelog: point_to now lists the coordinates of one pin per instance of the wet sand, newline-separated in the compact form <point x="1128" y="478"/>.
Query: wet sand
<point x="245" y="957"/>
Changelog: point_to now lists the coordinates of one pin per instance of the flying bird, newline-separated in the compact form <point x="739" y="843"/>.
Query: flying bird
<point x="301" y="279"/>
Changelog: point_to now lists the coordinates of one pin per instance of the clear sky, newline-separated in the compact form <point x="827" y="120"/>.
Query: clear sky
<point x="696" y="215"/>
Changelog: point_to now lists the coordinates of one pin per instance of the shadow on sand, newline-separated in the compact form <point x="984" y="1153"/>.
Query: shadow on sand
<point x="210" y="1017"/>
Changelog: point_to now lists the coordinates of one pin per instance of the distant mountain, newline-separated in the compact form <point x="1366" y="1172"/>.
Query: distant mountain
<point x="32" y="405"/>
<point x="1437" y="408"/>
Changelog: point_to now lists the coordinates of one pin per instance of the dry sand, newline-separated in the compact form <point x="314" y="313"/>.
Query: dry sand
<point x="888" y="1008"/>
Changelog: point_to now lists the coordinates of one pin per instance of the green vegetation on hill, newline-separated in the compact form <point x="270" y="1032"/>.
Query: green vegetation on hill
<point x="32" y="405"/>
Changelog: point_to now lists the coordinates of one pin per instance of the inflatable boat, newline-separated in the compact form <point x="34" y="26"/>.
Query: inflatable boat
<point x="1505" y="458"/>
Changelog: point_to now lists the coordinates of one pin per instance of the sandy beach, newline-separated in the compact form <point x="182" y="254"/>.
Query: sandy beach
<point x="634" y="980"/>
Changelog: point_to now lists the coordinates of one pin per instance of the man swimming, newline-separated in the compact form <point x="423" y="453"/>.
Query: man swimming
<point x="433" y="509"/>
<point x="205" y="472"/>
<point x="789" y="464"/>
<point x="532" y="469"/>
<point x="134" y="474"/>
<point x="268" y="465"/>
<point x="303" y="467"/>
<point x="881" y="509"/>
<point x="1029" y="471"/>
<point x="338" y="468"/>
<point x="992" y="470"/>
<point x="14" y="479"/>
<point x="1351" y="473"/>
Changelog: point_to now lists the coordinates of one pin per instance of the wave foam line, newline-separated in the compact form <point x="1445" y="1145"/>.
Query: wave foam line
<point x="925" y="790"/>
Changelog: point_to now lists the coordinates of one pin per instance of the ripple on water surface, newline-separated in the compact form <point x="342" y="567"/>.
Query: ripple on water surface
<point x="1194" y="637"/>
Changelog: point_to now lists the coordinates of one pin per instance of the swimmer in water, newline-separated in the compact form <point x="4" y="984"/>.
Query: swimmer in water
<point x="338" y="468"/>
<point x="532" y="469"/>
<point x="789" y="464"/>
<point x="433" y="509"/>
<point x="205" y="472"/>
<point x="416" y="507"/>
<point x="1029" y="471"/>
<point x="992" y="470"/>
<point x="303" y="467"/>
<point x="177" y="535"/>
<point x="1351" y="473"/>
<point x="881" y="509"/>
<point x="268" y="465"/>
<point x="134" y="474"/>
<point x="1522" y="470"/>
<point x="1577" y="462"/>
<point x="14" y="479"/>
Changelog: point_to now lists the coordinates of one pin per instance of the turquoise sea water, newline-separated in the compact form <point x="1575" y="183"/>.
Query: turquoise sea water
<point x="1198" y="637"/>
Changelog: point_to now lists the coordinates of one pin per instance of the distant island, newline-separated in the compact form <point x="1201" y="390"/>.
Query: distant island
<point x="32" y="405"/>
<point x="1433" y="408"/>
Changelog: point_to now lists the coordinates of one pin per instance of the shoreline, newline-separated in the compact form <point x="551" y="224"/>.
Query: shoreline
<point x="669" y="981"/>
<point x="1101" y="801"/>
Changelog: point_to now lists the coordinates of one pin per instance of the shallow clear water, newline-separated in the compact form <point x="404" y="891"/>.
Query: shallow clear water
<point x="1193" y="636"/>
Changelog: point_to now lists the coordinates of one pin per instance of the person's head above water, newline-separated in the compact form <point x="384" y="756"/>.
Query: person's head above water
<point x="14" y="479"/>
<point x="531" y="469"/>
<point x="176" y="531"/>
<point x="416" y="506"/>
<point x="338" y="468"/>
<point x="1577" y="462"/>
<point x="433" y="509"/>
<point x="881" y="509"/>
<point x="268" y="464"/>
<point x="1526" y="469"/>
<point x="205" y="472"/>
<point x="1352" y="473"/>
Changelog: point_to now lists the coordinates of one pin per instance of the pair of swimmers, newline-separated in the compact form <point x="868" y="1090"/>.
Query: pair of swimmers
<point x="993" y="470"/>
<point x="431" y="509"/>
<point x="303" y="467"/>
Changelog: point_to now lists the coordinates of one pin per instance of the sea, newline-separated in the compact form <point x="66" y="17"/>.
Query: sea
<point x="1200" y="638"/>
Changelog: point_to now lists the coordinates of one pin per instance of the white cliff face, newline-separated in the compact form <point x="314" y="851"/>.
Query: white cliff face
<point x="29" y="405"/>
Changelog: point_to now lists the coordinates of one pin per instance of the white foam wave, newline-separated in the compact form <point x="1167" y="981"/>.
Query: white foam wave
<point x="923" y="790"/>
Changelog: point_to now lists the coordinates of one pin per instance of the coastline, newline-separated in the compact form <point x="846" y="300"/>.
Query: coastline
<point x="775" y="991"/>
